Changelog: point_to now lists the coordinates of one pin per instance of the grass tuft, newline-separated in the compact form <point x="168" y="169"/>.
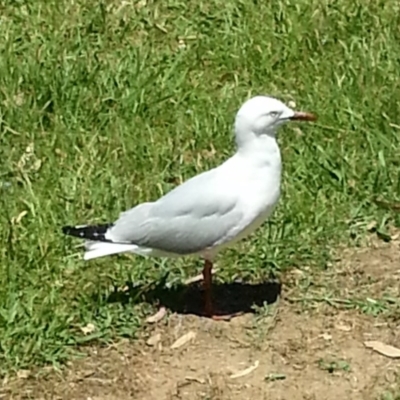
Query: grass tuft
<point x="106" y="104"/>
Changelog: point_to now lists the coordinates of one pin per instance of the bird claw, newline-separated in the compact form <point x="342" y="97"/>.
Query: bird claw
<point x="222" y="317"/>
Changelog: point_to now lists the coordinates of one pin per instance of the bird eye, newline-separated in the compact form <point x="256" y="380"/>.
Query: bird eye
<point x="273" y="114"/>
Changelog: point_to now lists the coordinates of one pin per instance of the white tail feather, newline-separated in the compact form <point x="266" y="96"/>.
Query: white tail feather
<point x="101" y="249"/>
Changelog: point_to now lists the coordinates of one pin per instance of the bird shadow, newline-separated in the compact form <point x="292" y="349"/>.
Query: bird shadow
<point x="228" y="298"/>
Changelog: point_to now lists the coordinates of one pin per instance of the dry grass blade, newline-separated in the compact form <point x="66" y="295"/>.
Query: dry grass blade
<point x="246" y="371"/>
<point x="158" y="316"/>
<point x="197" y="278"/>
<point x="187" y="337"/>
<point x="275" y="377"/>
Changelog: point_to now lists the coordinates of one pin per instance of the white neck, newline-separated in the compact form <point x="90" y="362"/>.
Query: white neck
<point x="261" y="151"/>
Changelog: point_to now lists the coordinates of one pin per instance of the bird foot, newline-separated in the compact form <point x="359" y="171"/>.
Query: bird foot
<point x="222" y="317"/>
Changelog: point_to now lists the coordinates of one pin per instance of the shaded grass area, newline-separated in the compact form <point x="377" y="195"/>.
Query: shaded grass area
<point x="107" y="104"/>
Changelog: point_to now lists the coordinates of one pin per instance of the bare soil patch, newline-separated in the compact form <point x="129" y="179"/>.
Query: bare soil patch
<point x="294" y="350"/>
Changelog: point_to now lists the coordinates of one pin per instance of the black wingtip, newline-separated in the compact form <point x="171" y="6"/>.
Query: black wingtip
<point x="66" y="229"/>
<point x="90" y="232"/>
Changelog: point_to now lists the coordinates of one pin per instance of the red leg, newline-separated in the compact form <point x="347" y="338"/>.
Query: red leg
<point x="207" y="277"/>
<point x="208" y="303"/>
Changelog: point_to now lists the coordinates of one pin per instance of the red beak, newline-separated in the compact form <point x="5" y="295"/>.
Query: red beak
<point x="303" y="116"/>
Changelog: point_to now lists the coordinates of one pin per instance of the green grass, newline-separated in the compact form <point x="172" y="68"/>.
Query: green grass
<point x="120" y="101"/>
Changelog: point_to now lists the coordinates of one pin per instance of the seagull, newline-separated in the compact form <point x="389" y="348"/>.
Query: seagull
<point x="212" y="210"/>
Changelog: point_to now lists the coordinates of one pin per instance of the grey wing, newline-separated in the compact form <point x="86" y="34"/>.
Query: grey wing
<point x="194" y="216"/>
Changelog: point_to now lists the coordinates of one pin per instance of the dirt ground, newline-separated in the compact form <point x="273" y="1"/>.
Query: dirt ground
<point x="308" y="345"/>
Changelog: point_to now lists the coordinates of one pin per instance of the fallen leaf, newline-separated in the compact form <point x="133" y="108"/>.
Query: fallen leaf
<point x="382" y="348"/>
<point x="158" y="316"/>
<point x="89" y="328"/>
<point x="246" y="371"/>
<point x="187" y="337"/>
<point x="154" y="340"/>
